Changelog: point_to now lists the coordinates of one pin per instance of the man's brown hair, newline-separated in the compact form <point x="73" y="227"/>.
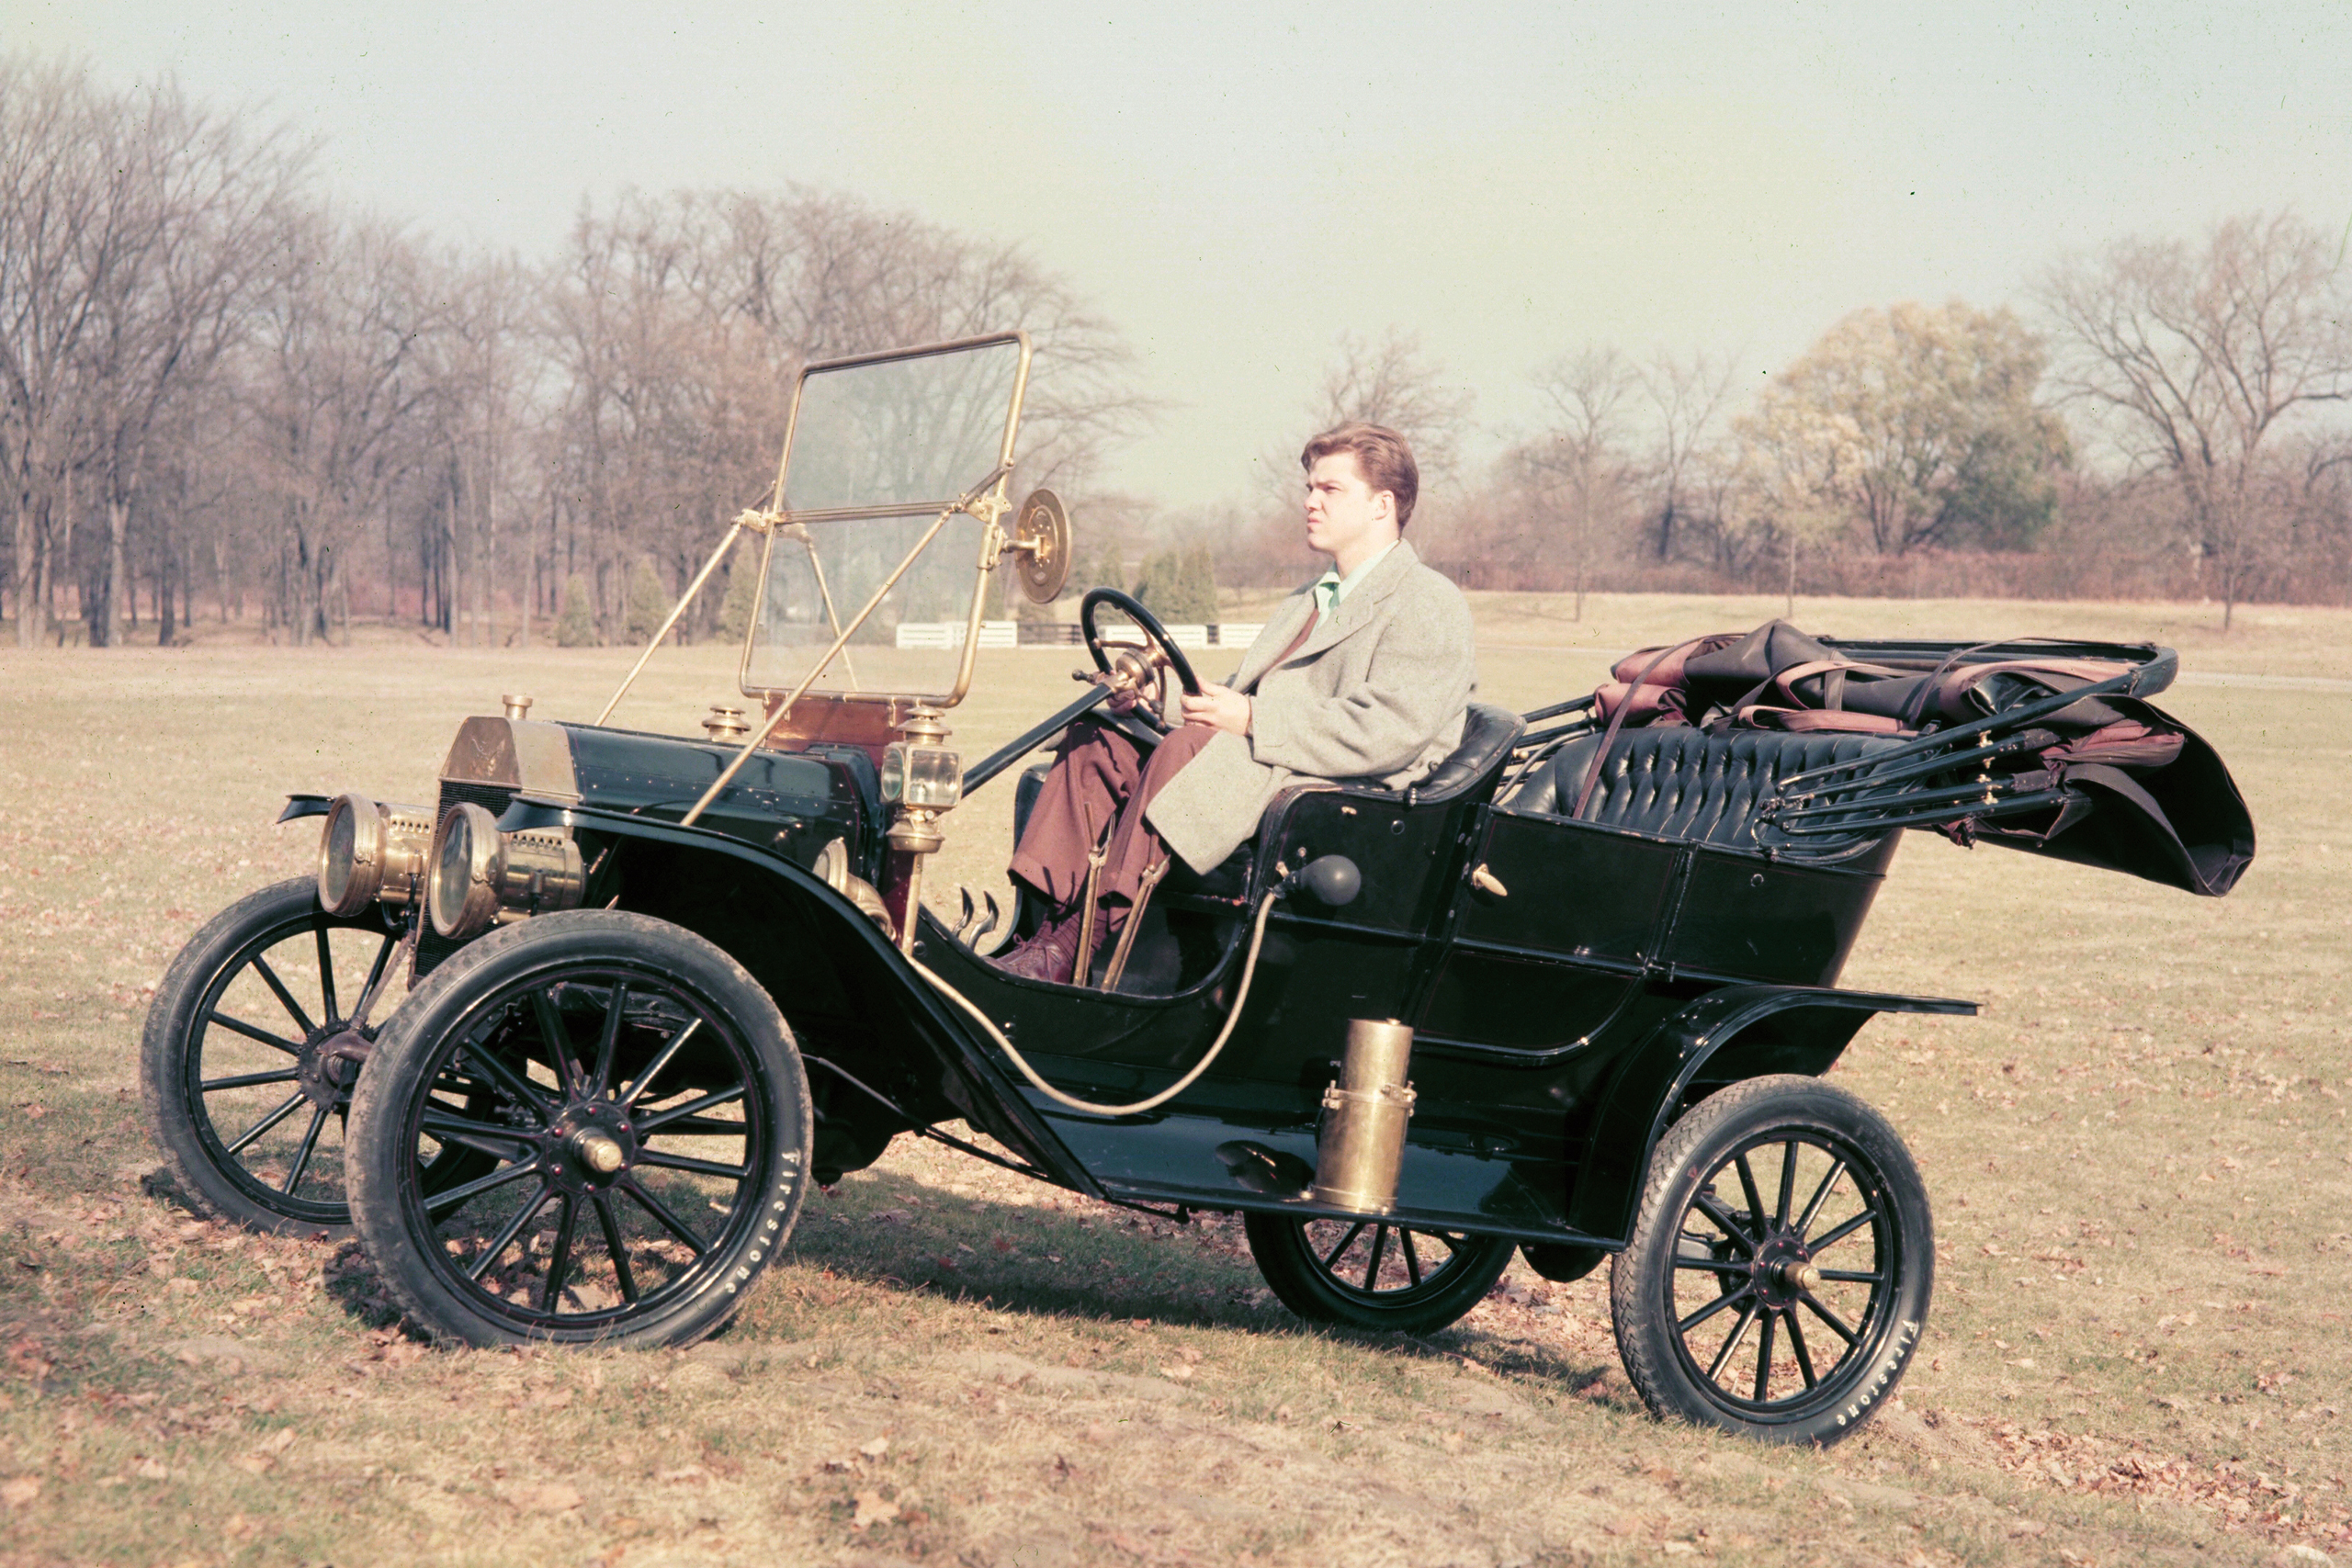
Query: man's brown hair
<point x="1383" y="455"/>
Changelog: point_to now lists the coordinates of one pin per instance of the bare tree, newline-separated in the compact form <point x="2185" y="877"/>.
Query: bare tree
<point x="1390" y="380"/>
<point x="335" y="399"/>
<point x="2195" y="359"/>
<point x="1686" y="397"/>
<point x="1580" y="459"/>
<point x="203" y="214"/>
<point x="59" y="241"/>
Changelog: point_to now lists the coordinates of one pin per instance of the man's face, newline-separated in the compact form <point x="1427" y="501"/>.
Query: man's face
<point x="1344" y="514"/>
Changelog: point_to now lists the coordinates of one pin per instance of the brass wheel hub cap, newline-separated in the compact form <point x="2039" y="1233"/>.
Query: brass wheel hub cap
<point x="592" y="1149"/>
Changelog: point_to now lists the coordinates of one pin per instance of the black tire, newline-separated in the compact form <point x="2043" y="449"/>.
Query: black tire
<point x="695" y="1057"/>
<point x="1374" y="1274"/>
<point x="228" y="1059"/>
<point x="1858" y="1282"/>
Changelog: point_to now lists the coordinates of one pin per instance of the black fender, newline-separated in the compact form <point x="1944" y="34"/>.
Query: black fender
<point x="1739" y="1032"/>
<point x="305" y="806"/>
<point x="835" y="977"/>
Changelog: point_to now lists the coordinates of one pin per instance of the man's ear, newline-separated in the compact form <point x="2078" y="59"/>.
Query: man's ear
<point x="1385" y="501"/>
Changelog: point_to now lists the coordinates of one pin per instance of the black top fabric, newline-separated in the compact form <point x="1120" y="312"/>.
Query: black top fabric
<point x="1674" y="782"/>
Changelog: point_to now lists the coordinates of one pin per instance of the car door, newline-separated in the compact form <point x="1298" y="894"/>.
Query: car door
<point x="1549" y="934"/>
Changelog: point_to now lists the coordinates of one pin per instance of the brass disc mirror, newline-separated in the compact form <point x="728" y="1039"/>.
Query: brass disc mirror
<point x="1041" y="540"/>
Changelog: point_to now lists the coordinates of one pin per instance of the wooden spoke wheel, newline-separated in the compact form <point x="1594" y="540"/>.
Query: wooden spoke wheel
<point x="248" y="1056"/>
<point x="1374" y="1274"/>
<point x="643" y="1117"/>
<point x="1779" y="1275"/>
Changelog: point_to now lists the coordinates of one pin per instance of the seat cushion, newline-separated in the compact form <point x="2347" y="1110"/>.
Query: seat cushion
<point x="1675" y="782"/>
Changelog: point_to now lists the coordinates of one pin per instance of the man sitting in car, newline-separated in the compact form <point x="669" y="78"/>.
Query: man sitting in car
<point x="1362" y="676"/>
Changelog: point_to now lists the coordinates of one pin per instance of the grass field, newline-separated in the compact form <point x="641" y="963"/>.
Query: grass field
<point x="2139" y="1159"/>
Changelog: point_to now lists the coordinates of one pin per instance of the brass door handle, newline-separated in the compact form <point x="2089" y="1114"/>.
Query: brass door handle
<point x="1486" y="881"/>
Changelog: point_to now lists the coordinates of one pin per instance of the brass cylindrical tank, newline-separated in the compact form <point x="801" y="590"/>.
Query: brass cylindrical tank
<point x="1361" y="1144"/>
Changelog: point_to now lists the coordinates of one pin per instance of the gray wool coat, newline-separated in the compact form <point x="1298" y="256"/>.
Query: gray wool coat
<point x="1377" y="696"/>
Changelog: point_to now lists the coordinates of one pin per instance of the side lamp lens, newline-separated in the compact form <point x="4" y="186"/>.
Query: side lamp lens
<point x="935" y="777"/>
<point x="894" y="772"/>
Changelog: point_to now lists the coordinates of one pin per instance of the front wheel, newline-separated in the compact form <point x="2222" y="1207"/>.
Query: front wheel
<point x="1373" y="1274"/>
<point x="643" y="1116"/>
<point x="1780" y="1265"/>
<point x="244" y="1088"/>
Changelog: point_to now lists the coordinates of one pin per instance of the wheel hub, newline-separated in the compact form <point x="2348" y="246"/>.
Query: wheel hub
<point x="329" y="1063"/>
<point x="591" y="1147"/>
<point x="1784" y="1272"/>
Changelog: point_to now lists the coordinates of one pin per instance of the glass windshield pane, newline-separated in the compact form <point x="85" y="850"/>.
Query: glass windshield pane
<point x="816" y="585"/>
<point x="915" y="432"/>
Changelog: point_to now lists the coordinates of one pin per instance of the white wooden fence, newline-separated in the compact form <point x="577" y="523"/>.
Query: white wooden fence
<point x="1006" y="634"/>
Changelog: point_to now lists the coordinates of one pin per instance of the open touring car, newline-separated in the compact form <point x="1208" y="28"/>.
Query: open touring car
<point x="1572" y="994"/>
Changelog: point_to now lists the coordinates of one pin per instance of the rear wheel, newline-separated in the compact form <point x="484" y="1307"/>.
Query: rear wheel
<point x="1374" y="1274"/>
<point x="1780" y="1266"/>
<point x="245" y="1090"/>
<point x="644" y="1122"/>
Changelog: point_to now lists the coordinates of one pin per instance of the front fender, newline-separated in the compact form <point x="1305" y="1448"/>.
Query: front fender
<point x="1739" y="1032"/>
<point x="298" y="805"/>
<point x="841" y="983"/>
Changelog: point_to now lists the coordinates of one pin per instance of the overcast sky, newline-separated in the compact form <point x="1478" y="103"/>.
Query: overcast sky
<point x="1238" y="186"/>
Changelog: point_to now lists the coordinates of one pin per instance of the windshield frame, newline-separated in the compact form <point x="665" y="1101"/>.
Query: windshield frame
<point x="986" y="501"/>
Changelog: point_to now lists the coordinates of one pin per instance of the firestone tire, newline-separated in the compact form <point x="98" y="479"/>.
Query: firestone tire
<point x="643" y="1082"/>
<point x="1311" y="1265"/>
<point x="207" y="1115"/>
<point x="1846" y="1279"/>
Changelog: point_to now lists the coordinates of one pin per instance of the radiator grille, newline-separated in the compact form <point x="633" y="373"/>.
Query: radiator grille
<point x="432" y="947"/>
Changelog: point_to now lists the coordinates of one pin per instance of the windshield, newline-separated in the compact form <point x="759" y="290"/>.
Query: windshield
<point x="877" y="449"/>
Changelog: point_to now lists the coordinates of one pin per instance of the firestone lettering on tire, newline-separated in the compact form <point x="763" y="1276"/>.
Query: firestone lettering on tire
<point x="1905" y="1335"/>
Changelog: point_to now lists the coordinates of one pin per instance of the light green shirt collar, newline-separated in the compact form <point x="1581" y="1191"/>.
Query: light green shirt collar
<point x="1331" y="589"/>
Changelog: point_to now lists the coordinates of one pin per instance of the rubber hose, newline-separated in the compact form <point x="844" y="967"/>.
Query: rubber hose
<point x="1241" y="999"/>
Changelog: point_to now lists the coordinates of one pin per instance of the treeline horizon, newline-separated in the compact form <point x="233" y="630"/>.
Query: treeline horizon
<point x="226" y="396"/>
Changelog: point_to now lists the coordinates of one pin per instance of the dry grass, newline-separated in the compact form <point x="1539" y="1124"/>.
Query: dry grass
<point x="2138" y="1158"/>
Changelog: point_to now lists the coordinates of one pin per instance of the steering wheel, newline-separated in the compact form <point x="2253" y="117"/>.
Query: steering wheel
<point x="1139" y="672"/>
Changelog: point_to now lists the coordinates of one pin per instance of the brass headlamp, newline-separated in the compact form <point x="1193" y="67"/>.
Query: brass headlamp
<point x="480" y="876"/>
<point x="371" y="849"/>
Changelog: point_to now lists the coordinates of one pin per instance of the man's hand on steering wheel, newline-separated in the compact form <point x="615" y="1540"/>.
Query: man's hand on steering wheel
<point x="1219" y="707"/>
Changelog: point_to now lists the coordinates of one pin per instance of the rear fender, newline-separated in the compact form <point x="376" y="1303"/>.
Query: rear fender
<point x="1740" y="1032"/>
<point x="843" y="986"/>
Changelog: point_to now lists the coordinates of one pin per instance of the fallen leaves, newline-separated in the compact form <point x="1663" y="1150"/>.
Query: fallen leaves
<point x="261" y="1457"/>
<point x="545" y="1497"/>
<point x="18" y="1490"/>
<point x="873" y="1509"/>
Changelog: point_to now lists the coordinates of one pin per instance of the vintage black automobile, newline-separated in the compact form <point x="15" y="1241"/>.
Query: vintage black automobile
<point x="1573" y="994"/>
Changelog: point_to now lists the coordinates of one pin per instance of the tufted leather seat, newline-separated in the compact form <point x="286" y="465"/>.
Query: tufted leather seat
<point x="1674" y="782"/>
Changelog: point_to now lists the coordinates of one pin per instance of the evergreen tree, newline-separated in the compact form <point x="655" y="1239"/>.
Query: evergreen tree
<point x="647" y="602"/>
<point x="1180" y="587"/>
<point x="1201" y="578"/>
<point x="742" y="585"/>
<point x="576" y="627"/>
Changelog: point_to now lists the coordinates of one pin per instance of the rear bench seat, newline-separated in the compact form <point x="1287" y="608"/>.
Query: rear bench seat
<point x="1678" y="783"/>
